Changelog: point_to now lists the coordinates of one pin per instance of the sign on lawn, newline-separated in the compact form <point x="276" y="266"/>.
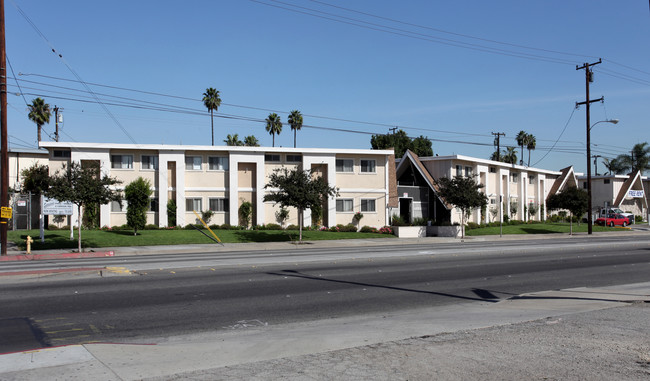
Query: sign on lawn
<point x="54" y="207"/>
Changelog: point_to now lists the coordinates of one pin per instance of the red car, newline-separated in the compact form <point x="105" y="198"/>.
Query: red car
<point x="613" y="219"/>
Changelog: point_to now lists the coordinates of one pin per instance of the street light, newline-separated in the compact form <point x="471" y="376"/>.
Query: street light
<point x="589" y="212"/>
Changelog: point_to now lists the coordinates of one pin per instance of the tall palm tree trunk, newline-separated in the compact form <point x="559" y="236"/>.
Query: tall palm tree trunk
<point x="39" y="132"/>
<point x="212" y="125"/>
<point x="294" y="138"/>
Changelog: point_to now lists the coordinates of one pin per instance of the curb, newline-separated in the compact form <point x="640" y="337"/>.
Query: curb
<point x="35" y="257"/>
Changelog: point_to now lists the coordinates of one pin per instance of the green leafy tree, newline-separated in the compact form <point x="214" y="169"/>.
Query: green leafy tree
<point x="251" y="141"/>
<point x="273" y="125"/>
<point x="233" y="140"/>
<point x="297" y="189"/>
<point x="463" y="193"/>
<point x="573" y="199"/>
<point x="137" y="195"/>
<point x="171" y="213"/>
<point x="36" y="179"/>
<point x="401" y="142"/>
<point x="422" y="146"/>
<point x="82" y="186"/>
<point x="281" y="216"/>
<point x="211" y="101"/>
<point x="39" y="113"/>
<point x="245" y="213"/>
<point x="295" y="121"/>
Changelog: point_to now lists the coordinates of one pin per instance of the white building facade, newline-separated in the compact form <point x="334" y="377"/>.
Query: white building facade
<point x="221" y="178"/>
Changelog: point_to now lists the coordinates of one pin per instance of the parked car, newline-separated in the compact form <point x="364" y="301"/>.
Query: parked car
<point x="613" y="219"/>
<point x="606" y="212"/>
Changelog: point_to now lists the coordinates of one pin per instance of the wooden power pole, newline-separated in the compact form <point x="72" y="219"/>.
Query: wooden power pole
<point x="4" y="160"/>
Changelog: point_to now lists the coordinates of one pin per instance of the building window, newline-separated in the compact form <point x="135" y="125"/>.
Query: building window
<point x="584" y="185"/>
<point x="272" y="157"/>
<point x="459" y="170"/>
<point x="294" y="158"/>
<point x="193" y="163"/>
<point x="61" y="153"/>
<point x="531" y="180"/>
<point x="149" y="162"/>
<point x="368" y="205"/>
<point x="153" y="204"/>
<point x="514" y="177"/>
<point x="493" y="201"/>
<point x="367" y="166"/>
<point x="218" y="163"/>
<point x="606" y="181"/>
<point x="193" y="204"/>
<point x="493" y="169"/>
<point x="468" y="171"/>
<point x="122" y="161"/>
<point x="344" y="165"/>
<point x="116" y="207"/>
<point x="344" y="205"/>
<point x="219" y="205"/>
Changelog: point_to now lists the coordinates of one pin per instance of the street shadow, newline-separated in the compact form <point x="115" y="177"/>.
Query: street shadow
<point x="21" y="334"/>
<point x="297" y="274"/>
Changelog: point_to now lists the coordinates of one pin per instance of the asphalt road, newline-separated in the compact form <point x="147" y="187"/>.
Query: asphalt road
<point x="170" y="295"/>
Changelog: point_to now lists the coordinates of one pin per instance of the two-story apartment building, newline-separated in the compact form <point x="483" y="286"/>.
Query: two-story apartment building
<point x="626" y="192"/>
<point x="221" y="178"/>
<point x="516" y="191"/>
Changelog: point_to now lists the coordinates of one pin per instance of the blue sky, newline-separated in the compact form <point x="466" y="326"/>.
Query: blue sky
<point x="451" y="71"/>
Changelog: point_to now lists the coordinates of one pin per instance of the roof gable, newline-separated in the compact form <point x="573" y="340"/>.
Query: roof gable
<point x="633" y="181"/>
<point x="414" y="160"/>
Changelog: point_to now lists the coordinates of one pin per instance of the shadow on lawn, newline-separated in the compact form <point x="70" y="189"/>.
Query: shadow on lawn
<point x="263" y="236"/>
<point x="538" y="231"/>
<point x="54" y="241"/>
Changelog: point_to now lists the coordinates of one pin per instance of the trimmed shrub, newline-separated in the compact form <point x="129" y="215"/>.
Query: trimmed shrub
<point x="386" y="230"/>
<point x="420" y="221"/>
<point x="368" y="229"/>
<point x="472" y="225"/>
<point x="151" y="227"/>
<point x="293" y="227"/>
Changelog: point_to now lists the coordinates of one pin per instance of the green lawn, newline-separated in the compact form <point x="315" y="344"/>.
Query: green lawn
<point x="60" y="239"/>
<point x="546" y="228"/>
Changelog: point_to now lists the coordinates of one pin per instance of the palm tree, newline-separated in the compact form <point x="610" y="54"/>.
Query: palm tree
<point x="509" y="155"/>
<point x="273" y="125"/>
<point x="522" y="140"/>
<point x="233" y="140"/>
<point x="531" y="144"/>
<point x="614" y="166"/>
<point x="295" y="121"/>
<point x="639" y="158"/>
<point x="212" y="102"/>
<point x="251" y="141"/>
<point x="39" y="113"/>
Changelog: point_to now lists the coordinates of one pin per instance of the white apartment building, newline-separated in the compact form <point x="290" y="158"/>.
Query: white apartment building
<point x="512" y="190"/>
<point x="626" y="192"/>
<point x="221" y="178"/>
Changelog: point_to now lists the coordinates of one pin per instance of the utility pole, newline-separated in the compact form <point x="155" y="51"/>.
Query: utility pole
<point x="498" y="136"/>
<point x="56" y="123"/>
<point x="596" y="162"/>
<point x="393" y="130"/>
<point x="4" y="159"/>
<point x="589" y="77"/>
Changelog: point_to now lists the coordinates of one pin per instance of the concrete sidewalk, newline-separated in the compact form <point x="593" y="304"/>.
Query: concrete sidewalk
<point x="255" y="350"/>
<point x="15" y="254"/>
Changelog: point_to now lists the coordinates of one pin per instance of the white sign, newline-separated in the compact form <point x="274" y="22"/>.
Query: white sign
<point x="56" y="208"/>
<point x="22" y="203"/>
<point x="635" y="193"/>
